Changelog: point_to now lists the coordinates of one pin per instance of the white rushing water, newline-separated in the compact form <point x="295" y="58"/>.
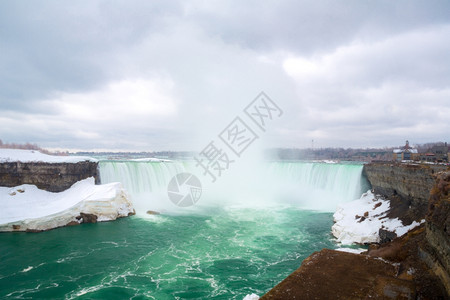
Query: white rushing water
<point x="307" y="185"/>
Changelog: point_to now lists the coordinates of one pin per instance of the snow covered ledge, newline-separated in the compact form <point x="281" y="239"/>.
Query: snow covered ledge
<point x="359" y="221"/>
<point x="27" y="208"/>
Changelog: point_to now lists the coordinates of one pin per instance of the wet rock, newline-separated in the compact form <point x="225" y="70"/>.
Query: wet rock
<point x="33" y="230"/>
<point x="87" y="218"/>
<point x="73" y="223"/>
<point x="386" y="235"/>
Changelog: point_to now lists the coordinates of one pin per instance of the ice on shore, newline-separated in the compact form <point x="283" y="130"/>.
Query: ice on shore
<point x="26" y="207"/>
<point x="359" y="221"/>
<point x="26" y="156"/>
<point x="251" y="297"/>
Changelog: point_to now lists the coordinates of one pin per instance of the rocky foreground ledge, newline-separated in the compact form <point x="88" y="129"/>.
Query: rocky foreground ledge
<point x="414" y="266"/>
<point x="393" y="271"/>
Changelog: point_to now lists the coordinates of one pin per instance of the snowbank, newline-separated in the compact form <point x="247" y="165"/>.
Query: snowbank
<point x="359" y="221"/>
<point x="251" y="297"/>
<point x="150" y="159"/>
<point x="327" y="161"/>
<point x="13" y="155"/>
<point x="26" y="207"/>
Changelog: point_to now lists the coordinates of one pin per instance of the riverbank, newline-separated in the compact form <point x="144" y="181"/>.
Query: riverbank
<point x="415" y="265"/>
<point x="393" y="271"/>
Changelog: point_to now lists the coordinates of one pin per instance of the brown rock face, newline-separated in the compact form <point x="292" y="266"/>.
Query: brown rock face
<point x="437" y="251"/>
<point x="408" y="187"/>
<point x="47" y="176"/>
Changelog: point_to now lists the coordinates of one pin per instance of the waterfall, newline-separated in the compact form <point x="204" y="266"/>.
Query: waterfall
<point x="139" y="177"/>
<point x="307" y="185"/>
<point x="343" y="181"/>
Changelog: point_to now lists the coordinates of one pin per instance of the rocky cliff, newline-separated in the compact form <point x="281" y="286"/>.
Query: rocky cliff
<point x="436" y="252"/>
<point x="52" y="177"/>
<point x="408" y="187"/>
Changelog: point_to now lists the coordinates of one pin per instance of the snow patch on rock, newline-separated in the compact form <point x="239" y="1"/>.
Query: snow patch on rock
<point x="26" y="207"/>
<point x="359" y="221"/>
<point x="27" y="156"/>
<point x="351" y="250"/>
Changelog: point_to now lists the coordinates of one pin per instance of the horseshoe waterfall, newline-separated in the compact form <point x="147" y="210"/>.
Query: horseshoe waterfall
<point x="248" y="231"/>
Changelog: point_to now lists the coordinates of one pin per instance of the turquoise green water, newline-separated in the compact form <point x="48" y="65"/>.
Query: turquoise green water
<point x="246" y="234"/>
<point x="225" y="254"/>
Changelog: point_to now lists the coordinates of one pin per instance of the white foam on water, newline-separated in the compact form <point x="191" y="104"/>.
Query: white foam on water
<point x="27" y="269"/>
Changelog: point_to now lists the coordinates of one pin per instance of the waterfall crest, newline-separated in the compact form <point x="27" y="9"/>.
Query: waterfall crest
<point x="307" y="185"/>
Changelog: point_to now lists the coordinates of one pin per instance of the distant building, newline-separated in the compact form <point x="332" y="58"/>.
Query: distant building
<point x="437" y="153"/>
<point x="405" y="153"/>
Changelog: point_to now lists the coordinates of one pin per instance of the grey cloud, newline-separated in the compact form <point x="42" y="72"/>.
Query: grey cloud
<point x="307" y="27"/>
<point x="68" y="46"/>
<point x="219" y="55"/>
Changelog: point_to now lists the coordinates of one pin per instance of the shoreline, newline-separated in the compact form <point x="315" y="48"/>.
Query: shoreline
<point x="414" y="265"/>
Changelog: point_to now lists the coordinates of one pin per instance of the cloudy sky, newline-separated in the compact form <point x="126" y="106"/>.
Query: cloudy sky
<point x="170" y="75"/>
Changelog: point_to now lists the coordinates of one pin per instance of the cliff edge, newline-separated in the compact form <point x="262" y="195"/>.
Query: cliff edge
<point x="406" y="185"/>
<point x="436" y="252"/>
<point x="52" y="177"/>
<point x="47" y="172"/>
